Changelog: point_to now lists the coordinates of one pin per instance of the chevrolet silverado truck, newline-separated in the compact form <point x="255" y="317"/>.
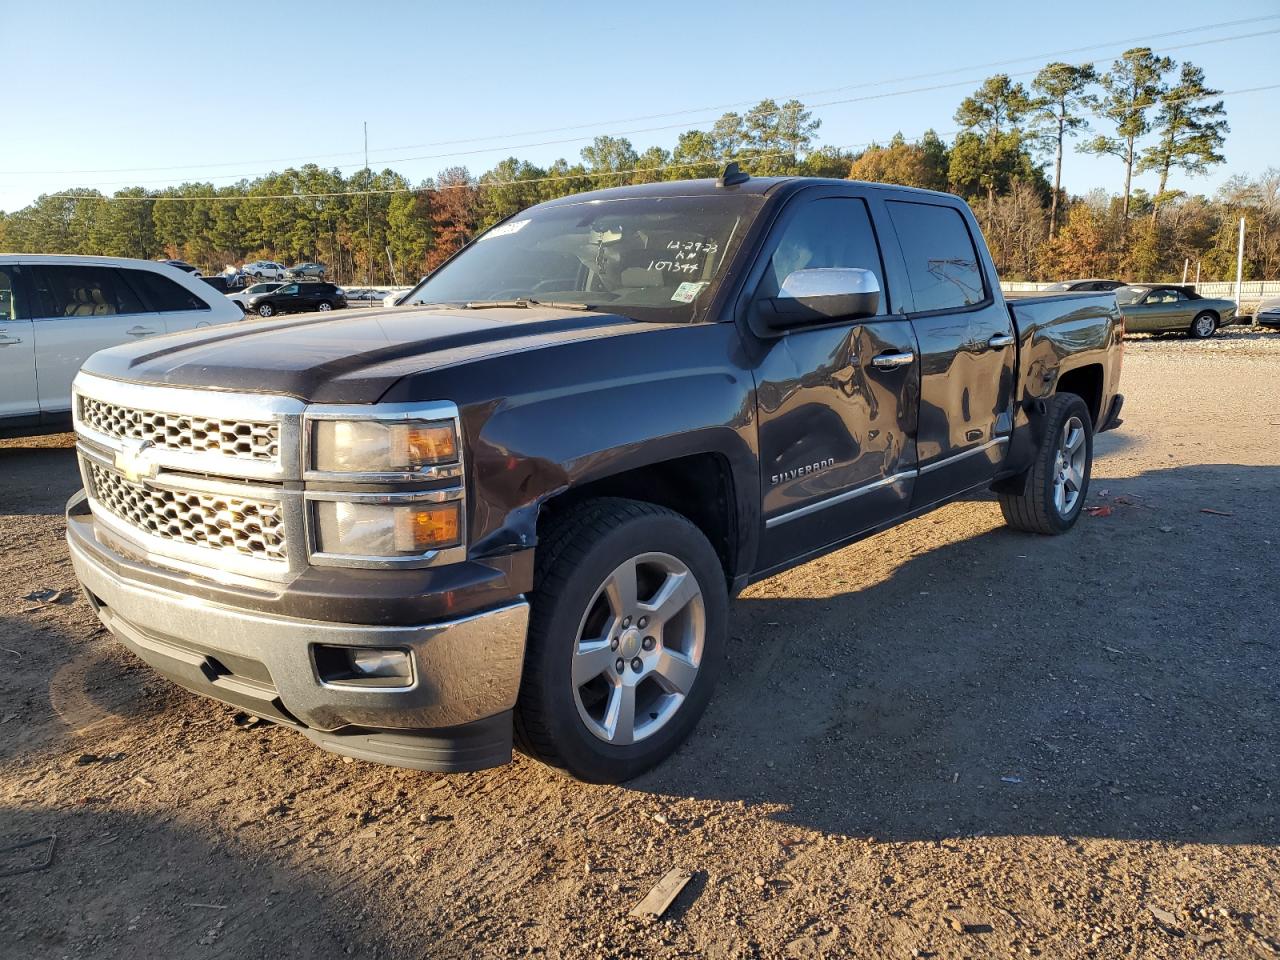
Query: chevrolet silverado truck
<point x="516" y="507"/>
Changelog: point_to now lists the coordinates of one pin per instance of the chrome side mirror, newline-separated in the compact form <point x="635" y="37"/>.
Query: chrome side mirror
<point x="823" y="293"/>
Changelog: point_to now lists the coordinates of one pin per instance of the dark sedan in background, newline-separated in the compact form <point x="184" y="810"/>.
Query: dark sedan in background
<point x="297" y="298"/>
<point x="1269" y="314"/>
<point x="1173" y="308"/>
<point x="1092" y="284"/>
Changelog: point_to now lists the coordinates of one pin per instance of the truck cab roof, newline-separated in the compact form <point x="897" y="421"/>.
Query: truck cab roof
<point x="760" y="186"/>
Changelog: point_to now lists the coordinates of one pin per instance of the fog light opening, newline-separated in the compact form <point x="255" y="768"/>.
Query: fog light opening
<point x="364" y="666"/>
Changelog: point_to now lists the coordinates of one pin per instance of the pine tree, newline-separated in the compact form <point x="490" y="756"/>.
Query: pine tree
<point x="1059" y="113"/>
<point x="1189" y="131"/>
<point x="1131" y="88"/>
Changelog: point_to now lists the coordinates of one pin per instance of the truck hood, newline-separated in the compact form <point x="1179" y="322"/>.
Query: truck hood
<point x="341" y="358"/>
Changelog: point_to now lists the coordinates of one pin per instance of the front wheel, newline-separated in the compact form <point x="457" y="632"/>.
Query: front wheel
<point x="1205" y="325"/>
<point x="626" y="639"/>
<point x="266" y="310"/>
<point x="1057" y="482"/>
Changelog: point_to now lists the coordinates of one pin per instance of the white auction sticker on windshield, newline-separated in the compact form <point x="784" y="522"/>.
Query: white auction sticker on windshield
<point x="687" y="292"/>
<point x="504" y="229"/>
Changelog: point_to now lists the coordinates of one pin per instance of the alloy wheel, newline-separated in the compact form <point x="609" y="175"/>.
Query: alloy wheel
<point x="638" y="648"/>
<point x="325" y="308"/>
<point x="1069" y="464"/>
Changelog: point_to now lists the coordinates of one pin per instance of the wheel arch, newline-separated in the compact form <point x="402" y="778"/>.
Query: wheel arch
<point x="1086" y="382"/>
<point x="698" y="486"/>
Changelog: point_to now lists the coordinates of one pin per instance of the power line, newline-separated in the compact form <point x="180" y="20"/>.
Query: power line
<point x="693" y="110"/>
<point x="485" y="184"/>
<point x="664" y="127"/>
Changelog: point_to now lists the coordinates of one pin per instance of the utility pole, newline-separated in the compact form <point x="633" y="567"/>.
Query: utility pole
<point x="368" y="214"/>
<point x="1239" y="262"/>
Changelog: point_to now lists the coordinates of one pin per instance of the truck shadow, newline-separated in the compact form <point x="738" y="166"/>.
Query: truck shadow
<point x="127" y="886"/>
<point x="1120" y="681"/>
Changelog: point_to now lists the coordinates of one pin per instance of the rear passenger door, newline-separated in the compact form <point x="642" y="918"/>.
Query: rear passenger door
<point x="77" y="311"/>
<point x="836" y="399"/>
<point x="17" y="348"/>
<point x="967" y="349"/>
<point x="178" y="308"/>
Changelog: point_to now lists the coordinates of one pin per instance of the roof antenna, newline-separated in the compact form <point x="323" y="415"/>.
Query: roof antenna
<point x="732" y="176"/>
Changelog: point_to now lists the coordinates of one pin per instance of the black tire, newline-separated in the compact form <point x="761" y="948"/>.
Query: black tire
<point x="324" y="306"/>
<point x="1204" y="326"/>
<point x="574" y="559"/>
<point x="1034" y="510"/>
<point x="266" y="310"/>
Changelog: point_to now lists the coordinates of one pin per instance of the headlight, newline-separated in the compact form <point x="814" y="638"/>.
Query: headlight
<point x="355" y="529"/>
<point x="373" y="446"/>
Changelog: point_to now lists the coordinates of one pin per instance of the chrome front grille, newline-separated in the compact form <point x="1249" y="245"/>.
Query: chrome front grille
<point x="239" y="439"/>
<point x="242" y="525"/>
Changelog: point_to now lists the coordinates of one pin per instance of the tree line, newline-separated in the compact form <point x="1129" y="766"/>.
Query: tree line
<point x="1147" y="112"/>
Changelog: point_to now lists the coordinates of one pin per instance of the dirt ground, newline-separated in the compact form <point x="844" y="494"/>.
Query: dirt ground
<point x="951" y="740"/>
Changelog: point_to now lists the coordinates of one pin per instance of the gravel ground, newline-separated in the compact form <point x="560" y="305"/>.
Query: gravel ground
<point x="951" y="740"/>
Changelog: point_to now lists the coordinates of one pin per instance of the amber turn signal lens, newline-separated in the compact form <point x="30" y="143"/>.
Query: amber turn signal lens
<point x="430" y="527"/>
<point x="431" y="443"/>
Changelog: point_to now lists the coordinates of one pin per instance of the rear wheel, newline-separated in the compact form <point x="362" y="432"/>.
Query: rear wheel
<point x="1058" y="481"/>
<point x="325" y="306"/>
<point x="1205" y="325"/>
<point x="625" y="641"/>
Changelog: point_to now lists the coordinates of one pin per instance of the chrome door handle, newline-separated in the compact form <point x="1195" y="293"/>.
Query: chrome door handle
<point x="140" y="332"/>
<point x="892" y="361"/>
<point x="999" y="341"/>
<point x="8" y="341"/>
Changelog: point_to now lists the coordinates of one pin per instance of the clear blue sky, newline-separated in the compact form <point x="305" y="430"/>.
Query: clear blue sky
<point x="238" y="89"/>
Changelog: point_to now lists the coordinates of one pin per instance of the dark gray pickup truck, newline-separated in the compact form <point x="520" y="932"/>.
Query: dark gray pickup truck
<point x="516" y="508"/>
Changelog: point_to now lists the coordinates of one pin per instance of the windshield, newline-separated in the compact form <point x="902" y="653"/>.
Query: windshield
<point x="651" y="258"/>
<point x="1130" y="294"/>
<point x="1064" y="285"/>
<point x="263" y="288"/>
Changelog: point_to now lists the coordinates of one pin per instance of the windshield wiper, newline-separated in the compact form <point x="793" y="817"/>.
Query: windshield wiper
<point x="525" y="303"/>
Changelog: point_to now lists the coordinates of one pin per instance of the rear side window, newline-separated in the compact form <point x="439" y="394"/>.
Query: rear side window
<point x="82" y="291"/>
<point x="163" y="294"/>
<point x="828" y="232"/>
<point x="942" y="261"/>
<point x="12" y="306"/>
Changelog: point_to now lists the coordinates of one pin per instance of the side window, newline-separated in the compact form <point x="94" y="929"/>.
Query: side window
<point x="12" y="306"/>
<point x="163" y="294"/>
<point x="82" y="291"/>
<point x="288" y="289"/>
<point x="942" y="262"/>
<point x="829" y="232"/>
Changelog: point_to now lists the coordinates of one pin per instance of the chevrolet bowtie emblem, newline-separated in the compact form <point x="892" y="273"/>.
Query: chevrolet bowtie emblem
<point x="133" y="461"/>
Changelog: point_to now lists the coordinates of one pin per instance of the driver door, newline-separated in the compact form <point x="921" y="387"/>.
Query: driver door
<point x="837" y="399"/>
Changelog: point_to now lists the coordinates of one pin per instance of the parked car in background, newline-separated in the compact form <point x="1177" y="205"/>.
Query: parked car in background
<point x="181" y="265"/>
<point x="307" y="270"/>
<point x="1172" y="308"/>
<point x="264" y="270"/>
<point x="297" y="297"/>
<point x="1083" y="286"/>
<point x="1268" y="314"/>
<point x="218" y="283"/>
<point x="56" y="310"/>
<point x="243" y="296"/>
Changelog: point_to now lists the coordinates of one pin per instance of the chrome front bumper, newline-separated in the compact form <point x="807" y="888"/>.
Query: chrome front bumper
<point x="455" y="714"/>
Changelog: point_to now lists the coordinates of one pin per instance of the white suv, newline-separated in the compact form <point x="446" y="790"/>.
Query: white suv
<point x="56" y="310"/>
<point x="264" y="270"/>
